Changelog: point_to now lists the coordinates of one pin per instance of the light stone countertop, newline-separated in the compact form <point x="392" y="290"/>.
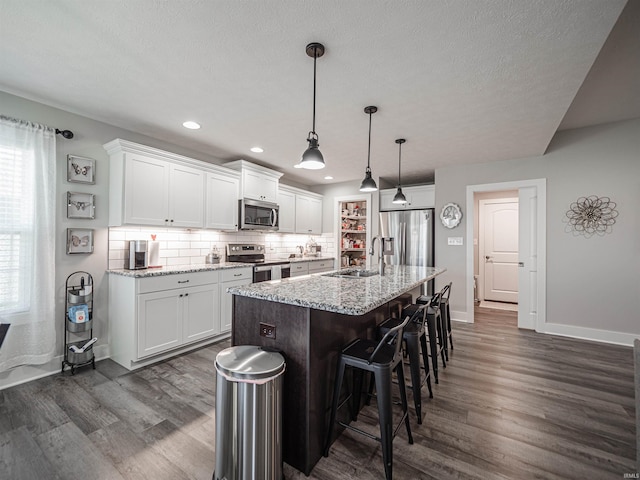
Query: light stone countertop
<point x="174" y="269"/>
<point x="349" y="296"/>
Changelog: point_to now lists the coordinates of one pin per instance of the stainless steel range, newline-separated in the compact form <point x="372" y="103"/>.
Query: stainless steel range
<point x="254" y="253"/>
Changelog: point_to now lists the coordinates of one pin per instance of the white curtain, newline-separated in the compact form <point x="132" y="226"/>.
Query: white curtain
<point x="27" y="242"/>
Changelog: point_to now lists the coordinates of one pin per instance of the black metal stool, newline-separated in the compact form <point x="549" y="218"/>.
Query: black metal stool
<point x="381" y="359"/>
<point x="415" y="340"/>
<point x="446" y="316"/>
<point x="435" y="331"/>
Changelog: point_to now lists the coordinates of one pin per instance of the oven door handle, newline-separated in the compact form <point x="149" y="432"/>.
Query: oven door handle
<point x="264" y="268"/>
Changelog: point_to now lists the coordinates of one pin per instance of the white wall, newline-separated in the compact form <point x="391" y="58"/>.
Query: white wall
<point x="592" y="283"/>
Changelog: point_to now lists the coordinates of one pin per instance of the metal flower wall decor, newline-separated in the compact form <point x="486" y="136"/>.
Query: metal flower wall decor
<point x="592" y="215"/>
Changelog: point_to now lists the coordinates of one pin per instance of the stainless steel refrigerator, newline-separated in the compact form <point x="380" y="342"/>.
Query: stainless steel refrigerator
<point x="412" y="231"/>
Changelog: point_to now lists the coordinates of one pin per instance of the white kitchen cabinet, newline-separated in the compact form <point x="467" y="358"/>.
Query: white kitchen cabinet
<point x="299" y="268"/>
<point x="287" y="203"/>
<point x="231" y="278"/>
<point x="420" y="196"/>
<point x="221" y="206"/>
<point x="319" y="266"/>
<point x="200" y="318"/>
<point x="152" y="318"/>
<point x="309" y="214"/>
<point x="256" y="182"/>
<point x="152" y="187"/>
<point x="159" y="322"/>
<point x="186" y="197"/>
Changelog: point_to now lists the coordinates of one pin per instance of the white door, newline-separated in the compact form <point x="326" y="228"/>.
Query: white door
<point x="499" y="249"/>
<point x="528" y="264"/>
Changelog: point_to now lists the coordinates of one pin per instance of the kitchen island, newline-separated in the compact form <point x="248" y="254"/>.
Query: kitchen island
<point x="310" y="319"/>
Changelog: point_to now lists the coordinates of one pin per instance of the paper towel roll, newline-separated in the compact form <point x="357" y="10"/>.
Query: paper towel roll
<point x="154" y="254"/>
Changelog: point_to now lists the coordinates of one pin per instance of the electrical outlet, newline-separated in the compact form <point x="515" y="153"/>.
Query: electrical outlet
<point x="268" y="331"/>
<point x="454" y="241"/>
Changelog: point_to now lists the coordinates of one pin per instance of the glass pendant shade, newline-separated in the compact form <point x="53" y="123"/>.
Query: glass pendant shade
<point x="368" y="184"/>
<point x="399" y="197"/>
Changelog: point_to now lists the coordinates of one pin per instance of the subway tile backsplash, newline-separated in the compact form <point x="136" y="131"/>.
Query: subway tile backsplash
<point x="182" y="247"/>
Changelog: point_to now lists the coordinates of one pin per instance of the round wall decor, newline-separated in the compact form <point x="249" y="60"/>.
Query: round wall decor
<point x="450" y="215"/>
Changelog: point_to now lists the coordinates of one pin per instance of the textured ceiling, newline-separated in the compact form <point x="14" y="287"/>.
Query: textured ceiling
<point x="463" y="81"/>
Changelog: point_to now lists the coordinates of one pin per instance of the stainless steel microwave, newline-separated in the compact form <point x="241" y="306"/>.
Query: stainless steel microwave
<point x="258" y="215"/>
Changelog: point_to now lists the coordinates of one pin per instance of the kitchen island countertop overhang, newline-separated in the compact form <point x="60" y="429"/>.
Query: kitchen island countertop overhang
<point x="347" y="296"/>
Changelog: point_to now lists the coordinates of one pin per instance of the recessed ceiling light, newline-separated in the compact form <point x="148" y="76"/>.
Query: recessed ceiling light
<point x="328" y="177"/>
<point x="257" y="150"/>
<point x="191" y="125"/>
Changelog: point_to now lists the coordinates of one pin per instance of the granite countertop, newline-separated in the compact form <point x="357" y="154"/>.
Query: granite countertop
<point x="174" y="269"/>
<point x="349" y="296"/>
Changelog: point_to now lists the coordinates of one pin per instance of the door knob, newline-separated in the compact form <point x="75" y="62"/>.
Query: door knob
<point x="487" y="257"/>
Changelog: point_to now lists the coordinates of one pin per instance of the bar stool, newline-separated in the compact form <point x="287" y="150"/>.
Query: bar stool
<point x="381" y="359"/>
<point x="446" y="315"/>
<point x="434" y="331"/>
<point x="415" y="340"/>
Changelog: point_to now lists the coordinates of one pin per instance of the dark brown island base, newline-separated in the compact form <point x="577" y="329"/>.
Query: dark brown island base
<point x="310" y="319"/>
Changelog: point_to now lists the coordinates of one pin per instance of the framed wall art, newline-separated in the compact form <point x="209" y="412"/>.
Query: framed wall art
<point x="80" y="205"/>
<point x="81" y="169"/>
<point x="79" y="240"/>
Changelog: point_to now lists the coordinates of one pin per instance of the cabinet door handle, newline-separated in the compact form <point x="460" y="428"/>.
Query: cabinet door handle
<point x="237" y="274"/>
<point x="186" y="294"/>
<point x="180" y="296"/>
<point x="183" y="281"/>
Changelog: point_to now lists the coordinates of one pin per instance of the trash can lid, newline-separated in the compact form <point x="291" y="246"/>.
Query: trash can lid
<point x="247" y="362"/>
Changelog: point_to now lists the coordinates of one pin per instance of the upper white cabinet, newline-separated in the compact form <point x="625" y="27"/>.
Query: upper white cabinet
<point x="154" y="187"/>
<point x="221" y="209"/>
<point x="300" y="211"/>
<point x="287" y="203"/>
<point x="421" y="196"/>
<point x="309" y="214"/>
<point x="256" y="182"/>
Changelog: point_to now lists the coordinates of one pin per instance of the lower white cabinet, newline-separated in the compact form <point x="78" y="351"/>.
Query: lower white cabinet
<point x="231" y="278"/>
<point x="311" y="266"/>
<point x="319" y="266"/>
<point x="151" y="318"/>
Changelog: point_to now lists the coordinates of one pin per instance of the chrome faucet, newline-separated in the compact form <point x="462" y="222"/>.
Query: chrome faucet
<point x="381" y="249"/>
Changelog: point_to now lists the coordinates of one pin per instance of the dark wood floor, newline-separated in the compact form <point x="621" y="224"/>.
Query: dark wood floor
<point x="510" y="405"/>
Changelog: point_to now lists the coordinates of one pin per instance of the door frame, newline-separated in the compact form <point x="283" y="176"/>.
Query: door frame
<point x="481" y="243"/>
<point x="540" y="185"/>
<point x="337" y="221"/>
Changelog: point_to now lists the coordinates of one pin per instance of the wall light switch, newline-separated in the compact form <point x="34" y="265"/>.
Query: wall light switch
<point x="454" y="241"/>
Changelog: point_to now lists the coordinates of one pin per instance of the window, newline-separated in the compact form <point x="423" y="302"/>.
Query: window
<point x="16" y="229"/>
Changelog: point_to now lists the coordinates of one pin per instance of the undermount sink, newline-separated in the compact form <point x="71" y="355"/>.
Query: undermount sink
<point x="353" y="274"/>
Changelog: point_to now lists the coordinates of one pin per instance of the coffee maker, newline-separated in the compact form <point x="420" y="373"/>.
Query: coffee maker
<point x="138" y="255"/>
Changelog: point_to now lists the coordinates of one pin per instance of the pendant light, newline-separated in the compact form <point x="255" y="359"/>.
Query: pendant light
<point x="369" y="184"/>
<point x="312" y="158"/>
<point x="399" y="197"/>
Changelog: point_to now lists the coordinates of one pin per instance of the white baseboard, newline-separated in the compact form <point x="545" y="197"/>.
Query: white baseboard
<point x="26" y="373"/>
<point x="458" y="316"/>
<point x="593" y="334"/>
<point x="583" y="333"/>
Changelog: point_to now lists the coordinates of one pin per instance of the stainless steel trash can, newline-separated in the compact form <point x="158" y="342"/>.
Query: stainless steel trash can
<point x="249" y="414"/>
